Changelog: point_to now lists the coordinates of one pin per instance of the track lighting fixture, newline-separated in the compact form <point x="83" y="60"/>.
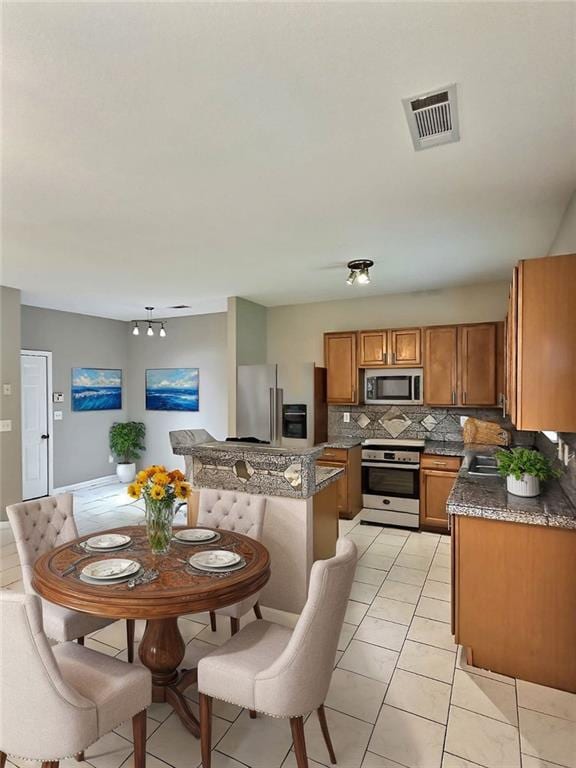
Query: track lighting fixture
<point x="150" y="323"/>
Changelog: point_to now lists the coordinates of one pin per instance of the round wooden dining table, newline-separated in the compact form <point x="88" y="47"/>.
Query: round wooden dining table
<point x="177" y="591"/>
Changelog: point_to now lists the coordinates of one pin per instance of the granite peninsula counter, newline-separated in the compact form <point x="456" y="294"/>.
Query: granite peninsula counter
<point x="301" y="523"/>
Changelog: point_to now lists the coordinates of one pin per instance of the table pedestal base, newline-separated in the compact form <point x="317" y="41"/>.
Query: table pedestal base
<point x="162" y="650"/>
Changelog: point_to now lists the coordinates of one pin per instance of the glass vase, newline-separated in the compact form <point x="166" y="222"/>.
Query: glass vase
<point x="159" y="516"/>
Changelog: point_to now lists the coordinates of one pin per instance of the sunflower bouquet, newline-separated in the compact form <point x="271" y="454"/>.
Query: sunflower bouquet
<point x="160" y="488"/>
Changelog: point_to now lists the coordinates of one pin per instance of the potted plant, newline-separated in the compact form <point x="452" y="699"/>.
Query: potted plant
<point x="523" y="469"/>
<point x="127" y="443"/>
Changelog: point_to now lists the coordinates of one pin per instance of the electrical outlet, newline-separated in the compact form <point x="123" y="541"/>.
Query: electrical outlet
<point x="6" y="425"/>
<point x="58" y="397"/>
<point x="567" y="455"/>
<point x="7" y="389"/>
<point x="110" y="459"/>
<point x="57" y="415"/>
<point x="346" y="418"/>
<point x="561" y="449"/>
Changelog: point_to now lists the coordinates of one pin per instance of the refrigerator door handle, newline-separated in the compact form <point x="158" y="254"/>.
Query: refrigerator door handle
<point x="278" y="412"/>
<point x="272" y="415"/>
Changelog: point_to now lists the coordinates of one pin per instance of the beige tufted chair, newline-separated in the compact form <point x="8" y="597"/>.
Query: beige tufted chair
<point x="38" y="527"/>
<point x="238" y="512"/>
<point x="58" y="701"/>
<point x="282" y="672"/>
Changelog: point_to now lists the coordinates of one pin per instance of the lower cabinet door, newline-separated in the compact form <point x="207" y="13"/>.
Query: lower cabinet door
<point x="342" y="484"/>
<point x="435" y="487"/>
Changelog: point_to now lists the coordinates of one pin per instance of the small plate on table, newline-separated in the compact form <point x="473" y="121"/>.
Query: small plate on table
<point x="110" y="570"/>
<point x="107" y="542"/>
<point x="216" y="560"/>
<point x="196" y="536"/>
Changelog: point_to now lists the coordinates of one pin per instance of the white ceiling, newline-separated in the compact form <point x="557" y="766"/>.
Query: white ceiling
<point x="173" y="153"/>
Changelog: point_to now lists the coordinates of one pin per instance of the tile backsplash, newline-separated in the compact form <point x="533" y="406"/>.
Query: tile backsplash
<point x="550" y="449"/>
<point x="412" y="422"/>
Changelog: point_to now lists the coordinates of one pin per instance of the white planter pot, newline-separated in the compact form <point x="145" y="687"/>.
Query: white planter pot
<point x="526" y="486"/>
<point x="126" y="472"/>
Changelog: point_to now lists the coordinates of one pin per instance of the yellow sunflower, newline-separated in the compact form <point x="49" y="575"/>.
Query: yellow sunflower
<point x="134" y="490"/>
<point x="157" y="492"/>
<point x="142" y="476"/>
<point x="176" y="475"/>
<point x="181" y="490"/>
<point x="161" y="478"/>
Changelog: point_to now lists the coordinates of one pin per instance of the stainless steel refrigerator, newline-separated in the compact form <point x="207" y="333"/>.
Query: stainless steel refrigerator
<point x="268" y="396"/>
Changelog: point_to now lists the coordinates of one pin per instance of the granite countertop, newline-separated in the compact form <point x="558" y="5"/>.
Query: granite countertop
<point x="444" y="447"/>
<point x="487" y="497"/>
<point x="341" y="442"/>
<point x="327" y="475"/>
<point x="254" y="448"/>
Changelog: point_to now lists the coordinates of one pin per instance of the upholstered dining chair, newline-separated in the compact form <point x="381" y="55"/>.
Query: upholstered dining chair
<point x="281" y="672"/>
<point x="38" y="527"/>
<point x="58" y="701"/>
<point x="238" y="512"/>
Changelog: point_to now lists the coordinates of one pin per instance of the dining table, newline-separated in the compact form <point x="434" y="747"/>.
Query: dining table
<point x="176" y="589"/>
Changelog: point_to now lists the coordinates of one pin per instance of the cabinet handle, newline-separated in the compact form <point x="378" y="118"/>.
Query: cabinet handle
<point x="453" y="397"/>
<point x="464" y="398"/>
<point x="385" y="358"/>
<point x="440" y="463"/>
<point x="393" y="358"/>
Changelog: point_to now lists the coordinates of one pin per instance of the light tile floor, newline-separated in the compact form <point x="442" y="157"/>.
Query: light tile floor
<point x="401" y="695"/>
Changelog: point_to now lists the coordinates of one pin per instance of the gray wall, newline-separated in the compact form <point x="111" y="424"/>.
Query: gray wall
<point x="80" y="440"/>
<point x="10" y="442"/>
<point x="192" y="342"/>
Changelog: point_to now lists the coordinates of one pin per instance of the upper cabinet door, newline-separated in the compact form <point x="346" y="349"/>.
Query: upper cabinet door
<point x="478" y="369"/>
<point x="440" y="365"/>
<point x="406" y="347"/>
<point x="341" y="366"/>
<point x="511" y="348"/>
<point x="373" y="349"/>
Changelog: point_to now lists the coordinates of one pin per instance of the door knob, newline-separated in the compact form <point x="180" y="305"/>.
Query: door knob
<point x="44" y="437"/>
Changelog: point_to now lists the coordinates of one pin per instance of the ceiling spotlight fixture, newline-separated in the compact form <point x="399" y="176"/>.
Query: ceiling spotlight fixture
<point x="150" y="323"/>
<point x="359" y="271"/>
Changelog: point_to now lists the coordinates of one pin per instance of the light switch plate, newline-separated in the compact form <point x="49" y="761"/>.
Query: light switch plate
<point x="58" y="397"/>
<point x="346" y="418"/>
<point x="7" y="389"/>
<point x="6" y="425"/>
<point x="57" y="415"/>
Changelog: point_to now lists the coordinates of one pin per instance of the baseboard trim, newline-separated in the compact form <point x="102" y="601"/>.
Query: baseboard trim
<point x="86" y="484"/>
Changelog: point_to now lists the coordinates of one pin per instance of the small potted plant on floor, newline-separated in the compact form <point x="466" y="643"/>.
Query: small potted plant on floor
<point x="523" y="469"/>
<point x="127" y="443"/>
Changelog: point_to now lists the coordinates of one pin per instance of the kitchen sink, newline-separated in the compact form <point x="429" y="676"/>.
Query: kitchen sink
<point x="483" y="465"/>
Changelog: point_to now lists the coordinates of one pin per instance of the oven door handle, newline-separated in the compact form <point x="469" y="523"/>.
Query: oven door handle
<point x="383" y="465"/>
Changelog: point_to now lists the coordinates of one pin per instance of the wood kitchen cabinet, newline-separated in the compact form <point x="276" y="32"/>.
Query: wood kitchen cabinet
<point x="513" y="599"/>
<point x="463" y="365"/>
<point x="437" y="476"/>
<point x="541" y="349"/>
<point x="350" y="483"/>
<point x="340" y="361"/>
<point x="396" y="348"/>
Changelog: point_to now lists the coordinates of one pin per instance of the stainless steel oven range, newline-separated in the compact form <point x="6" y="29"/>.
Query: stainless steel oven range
<point x="391" y="482"/>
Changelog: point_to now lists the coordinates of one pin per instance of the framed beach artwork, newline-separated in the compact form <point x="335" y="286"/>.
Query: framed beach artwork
<point x="172" y="389"/>
<point x="96" y="389"/>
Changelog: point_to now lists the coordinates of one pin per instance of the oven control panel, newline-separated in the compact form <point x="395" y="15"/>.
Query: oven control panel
<point x="395" y="457"/>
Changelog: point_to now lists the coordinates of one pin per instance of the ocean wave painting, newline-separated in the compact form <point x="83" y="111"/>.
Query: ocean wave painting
<point x="96" y="389"/>
<point x="172" y="389"/>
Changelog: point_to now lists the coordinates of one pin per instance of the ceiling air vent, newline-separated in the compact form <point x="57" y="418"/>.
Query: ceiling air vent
<point x="433" y="118"/>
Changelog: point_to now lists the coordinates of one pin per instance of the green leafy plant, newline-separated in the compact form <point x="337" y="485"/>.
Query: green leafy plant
<point x="524" y="461"/>
<point x="127" y="440"/>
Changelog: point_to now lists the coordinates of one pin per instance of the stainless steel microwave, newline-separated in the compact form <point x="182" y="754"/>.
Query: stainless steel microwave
<point x="399" y="386"/>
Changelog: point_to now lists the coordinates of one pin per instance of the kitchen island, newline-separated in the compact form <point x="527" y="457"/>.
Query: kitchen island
<point x="301" y="523"/>
<point x="513" y="579"/>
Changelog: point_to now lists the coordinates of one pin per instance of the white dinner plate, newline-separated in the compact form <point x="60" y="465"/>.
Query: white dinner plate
<point x="196" y="535"/>
<point x="211" y="569"/>
<point x="109" y="582"/>
<point x="113" y="568"/>
<point x="214" y="559"/>
<point x="108" y="541"/>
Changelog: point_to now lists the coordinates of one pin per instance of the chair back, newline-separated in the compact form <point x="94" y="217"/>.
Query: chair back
<point x="38" y="527"/>
<point x="43" y="717"/>
<point x="231" y="511"/>
<point x="298" y="681"/>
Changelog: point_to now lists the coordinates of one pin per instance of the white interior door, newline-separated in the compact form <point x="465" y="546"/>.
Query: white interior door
<point x="35" y="424"/>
